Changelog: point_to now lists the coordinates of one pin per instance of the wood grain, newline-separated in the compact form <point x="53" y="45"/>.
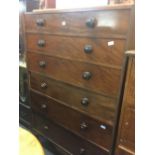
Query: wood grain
<point x="58" y="68"/>
<point x="100" y="107"/>
<point x="126" y="132"/>
<point x="73" y="48"/>
<point x="70" y="142"/>
<point x="103" y="80"/>
<point x="108" y="22"/>
<point x="72" y="120"/>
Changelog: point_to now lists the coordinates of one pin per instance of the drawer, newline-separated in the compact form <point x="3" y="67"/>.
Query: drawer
<point x="104" y="51"/>
<point x="25" y="114"/>
<point x="93" y="104"/>
<point x="101" y="23"/>
<point x="95" y="77"/>
<point x="70" y="142"/>
<point x="78" y="123"/>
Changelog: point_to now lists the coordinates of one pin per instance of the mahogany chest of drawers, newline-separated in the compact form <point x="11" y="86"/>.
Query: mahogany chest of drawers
<point x="75" y="60"/>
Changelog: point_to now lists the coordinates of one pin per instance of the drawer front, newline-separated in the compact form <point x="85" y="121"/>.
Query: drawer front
<point x="25" y="114"/>
<point x="91" y="23"/>
<point x="70" y="142"/>
<point x="100" y="79"/>
<point x="82" y="125"/>
<point x="93" y="104"/>
<point x="105" y="51"/>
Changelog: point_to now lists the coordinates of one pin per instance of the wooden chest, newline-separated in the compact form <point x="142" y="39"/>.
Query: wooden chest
<point x="75" y="60"/>
<point x="126" y="133"/>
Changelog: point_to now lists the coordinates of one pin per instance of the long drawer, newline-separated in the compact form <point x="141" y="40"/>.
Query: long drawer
<point x="98" y="78"/>
<point x="95" y="50"/>
<point x="93" y="104"/>
<point x="105" y="23"/>
<point x="80" y="124"/>
<point x="60" y="136"/>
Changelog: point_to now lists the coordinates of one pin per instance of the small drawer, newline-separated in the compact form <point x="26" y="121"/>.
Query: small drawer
<point x="78" y="123"/>
<point x="70" y="142"/>
<point x="95" y="50"/>
<point x="25" y="114"/>
<point x="101" y="79"/>
<point x="93" y="104"/>
<point x="101" y="23"/>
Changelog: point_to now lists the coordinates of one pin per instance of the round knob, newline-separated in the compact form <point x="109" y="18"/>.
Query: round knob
<point x="41" y="43"/>
<point x="85" y="101"/>
<point x="83" y="126"/>
<point x="88" y="49"/>
<point x="87" y="75"/>
<point x="42" y="64"/>
<point x="91" y="22"/>
<point x="40" y="22"/>
<point x="82" y="151"/>
<point x="43" y="85"/>
<point x="43" y="106"/>
<point x="46" y="127"/>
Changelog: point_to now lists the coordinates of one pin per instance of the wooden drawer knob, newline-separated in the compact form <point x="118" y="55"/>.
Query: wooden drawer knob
<point x="43" y="85"/>
<point x="82" y="151"/>
<point x="42" y="64"/>
<point x="41" y="43"/>
<point x="83" y="126"/>
<point x="86" y="75"/>
<point x="91" y="22"/>
<point x="88" y="49"/>
<point x="40" y="22"/>
<point x="85" y="101"/>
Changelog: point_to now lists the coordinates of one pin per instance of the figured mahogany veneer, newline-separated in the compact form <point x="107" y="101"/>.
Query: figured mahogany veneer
<point x="108" y="52"/>
<point x="71" y="143"/>
<point x="80" y="124"/>
<point x="75" y="59"/>
<point x="103" y="80"/>
<point x="103" y="23"/>
<point x="98" y="106"/>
